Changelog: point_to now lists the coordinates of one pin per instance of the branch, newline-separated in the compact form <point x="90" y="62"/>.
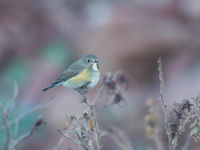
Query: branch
<point x="5" y="122"/>
<point x="181" y="129"/>
<point x="80" y="142"/>
<point x="187" y="142"/>
<point x="96" y="128"/>
<point x="24" y="137"/>
<point x="119" y="137"/>
<point x="57" y="147"/>
<point x="67" y="137"/>
<point x="12" y="103"/>
<point x="26" y="113"/>
<point x="164" y="105"/>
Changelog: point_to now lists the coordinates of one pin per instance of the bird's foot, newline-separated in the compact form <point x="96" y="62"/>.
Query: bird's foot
<point x="83" y="91"/>
<point x="84" y="99"/>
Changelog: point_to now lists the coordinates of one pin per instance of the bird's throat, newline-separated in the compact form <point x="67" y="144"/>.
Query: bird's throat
<point x="95" y="67"/>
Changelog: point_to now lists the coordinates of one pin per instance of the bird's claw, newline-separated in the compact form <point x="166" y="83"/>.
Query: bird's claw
<point x="83" y="99"/>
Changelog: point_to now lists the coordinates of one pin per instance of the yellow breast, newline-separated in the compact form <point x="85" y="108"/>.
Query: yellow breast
<point x="84" y="76"/>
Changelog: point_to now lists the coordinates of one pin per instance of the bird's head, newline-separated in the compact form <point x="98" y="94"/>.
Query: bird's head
<point x="90" y="61"/>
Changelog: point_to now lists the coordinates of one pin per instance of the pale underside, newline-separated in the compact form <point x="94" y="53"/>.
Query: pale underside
<point x="85" y="78"/>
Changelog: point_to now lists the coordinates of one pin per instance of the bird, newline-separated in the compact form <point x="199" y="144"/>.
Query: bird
<point x="81" y="75"/>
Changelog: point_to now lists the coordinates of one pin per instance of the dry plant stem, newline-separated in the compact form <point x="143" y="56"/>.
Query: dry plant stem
<point x="57" y="147"/>
<point x="119" y="143"/>
<point x="26" y="113"/>
<point x="12" y="104"/>
<point x="164" y="105"/>
<point x="12" y="143"/>
<point x="5" y="122"/>
<point x="67" y="137"/>
<point x="84" y="146"/>
<point x="79" y="135"/>
<point x="97" y="132"/>
<point x="80" y="141"/>
<point x="96" y="128"/>
<point x="196" y="109"/>
<point x="120" y="138"/>
<point x="180" y="130"/>
<point x="187" y="142"/>
<point x="23" y="138"/>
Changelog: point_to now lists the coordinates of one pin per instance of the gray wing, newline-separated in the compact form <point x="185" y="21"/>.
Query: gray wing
<point x="70" y="72"/>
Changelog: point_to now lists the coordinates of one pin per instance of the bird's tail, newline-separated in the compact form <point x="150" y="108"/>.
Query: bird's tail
<point x="49" y="86"/>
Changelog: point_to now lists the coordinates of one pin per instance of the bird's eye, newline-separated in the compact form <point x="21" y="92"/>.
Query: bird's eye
<point x="88" y="60"/>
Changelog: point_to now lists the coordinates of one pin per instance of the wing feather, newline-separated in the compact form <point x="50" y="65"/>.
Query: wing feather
<point x="73" y="70"/>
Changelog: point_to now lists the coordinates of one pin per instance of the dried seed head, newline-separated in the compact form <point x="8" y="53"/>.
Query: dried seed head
<point x="91" y="125"/>
<point x="110" y="83"/>
<point x="150" y="119"/>
<point x="39" y="122"/>
<point x="174" y="129"/>
<point x="149" y="132"/>
<point x="149" y="102"/>
<point x="179" y="113"/>
<point x="116" y="98"/>
<point x="71" y="118"/>
<point x="66" y="125"/>
<point x="121" y="79"/>
<point x="86" y="114"/>
<point x="186" y="105"/>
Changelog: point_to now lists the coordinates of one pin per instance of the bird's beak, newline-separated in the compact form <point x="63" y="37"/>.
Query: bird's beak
<point x="96" y="61"/>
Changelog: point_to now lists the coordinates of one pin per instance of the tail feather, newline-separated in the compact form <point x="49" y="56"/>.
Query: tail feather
<point x="49" y="87"/>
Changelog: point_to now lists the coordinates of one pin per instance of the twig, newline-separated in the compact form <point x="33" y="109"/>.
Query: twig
<point x="12" y="103"/>
<point x="57" y="147"/>
<point x="91" y="108"/>
<point x="12" y="143"/>
<point x="75" y="136"/>
<point x="16" y="128"/>
<point x="87" y="123"/>
<point x="187" y="142"/>
<point x="164" y="105"/>
<point x="96" y="128"/>
<point x="181" y="129"/>
<point x="80" y="141"/>
<point x="5" y="122"/>
<point x="21" y="116"/>
<point x="196" y="108"/>
<point x="79" y="135"/>
<point x="119" y="137"/>
<point x="67" y="137"/>
<point x="26" y="135"/>
<point x="119" y="143"/>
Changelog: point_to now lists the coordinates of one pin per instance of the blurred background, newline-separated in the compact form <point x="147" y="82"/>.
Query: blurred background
<point x="40" y="38"/>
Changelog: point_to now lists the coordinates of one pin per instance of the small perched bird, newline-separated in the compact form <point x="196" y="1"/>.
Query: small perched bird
<point x="81" y="75"/>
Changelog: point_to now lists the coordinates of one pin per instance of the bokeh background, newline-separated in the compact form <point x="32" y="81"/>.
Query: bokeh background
<point x="40" y="38"/>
